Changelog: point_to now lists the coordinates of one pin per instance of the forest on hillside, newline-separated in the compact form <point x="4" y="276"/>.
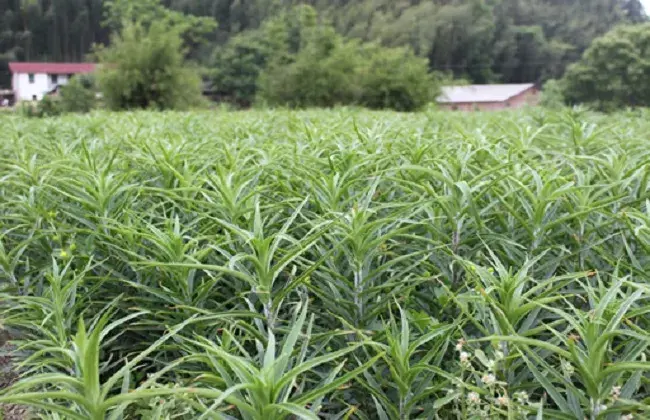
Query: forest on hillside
<point x="479" y="40"/>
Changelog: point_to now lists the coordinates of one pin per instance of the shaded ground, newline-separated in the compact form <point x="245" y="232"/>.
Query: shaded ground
<point x="7" y="377"/>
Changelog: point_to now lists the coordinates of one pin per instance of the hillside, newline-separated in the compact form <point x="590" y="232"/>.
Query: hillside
<point x="481" y="40"/>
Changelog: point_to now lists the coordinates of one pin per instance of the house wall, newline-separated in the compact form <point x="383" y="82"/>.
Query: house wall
<point x="26" y="91"/>
<point x="528" y="97"/>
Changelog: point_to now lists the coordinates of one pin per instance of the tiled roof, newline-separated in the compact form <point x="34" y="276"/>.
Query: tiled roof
<point x="52" y="68"/>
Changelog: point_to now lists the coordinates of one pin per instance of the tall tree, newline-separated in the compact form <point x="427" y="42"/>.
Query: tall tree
<point x="614" y="71"/>
<point x="144" y="67"/>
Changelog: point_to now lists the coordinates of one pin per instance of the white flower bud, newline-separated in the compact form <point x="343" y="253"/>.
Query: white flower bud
<point x="522" y="397"/>
<point x="460" y="344"/>
<point x="489" y="379"/>
<point x="473" y="397"/>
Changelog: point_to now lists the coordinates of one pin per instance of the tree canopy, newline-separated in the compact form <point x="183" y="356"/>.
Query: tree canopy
<point x="144" y="67"/>
<point x="614" y="71"/>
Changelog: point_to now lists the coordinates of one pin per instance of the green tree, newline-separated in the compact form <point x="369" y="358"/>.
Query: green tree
<point x="327" y="70"/>
<point x="322" y="74"/>
<point x="395" y="78"/>
<point x="192" y="28"/>
<point x="462" y="41"/>
<point x="236" y="66"/>
<point x="613" y="72"/>
<point x="144" y="67"/>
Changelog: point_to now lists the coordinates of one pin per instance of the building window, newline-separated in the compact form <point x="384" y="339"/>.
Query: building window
<point x="34" y="98"/>
<point x="69" y="76"/>
<point x="31" y="77"/>
<point x="507" y="104"/>
<point x="54" y="78"/>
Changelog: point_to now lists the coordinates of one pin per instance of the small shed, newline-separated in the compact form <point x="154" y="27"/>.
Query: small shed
<point x="488" y="97"/>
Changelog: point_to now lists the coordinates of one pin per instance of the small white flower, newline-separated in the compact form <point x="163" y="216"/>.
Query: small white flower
<point x="460" y="344"/>
<point x="616" y="392"/>
<point x="522" y="397"/>
<point x="489" y="379"/>
<point x="602" y="407"/>
<point x="627" y="417"/>
<point x="473" y="397"/>
<point x="464" y="357"/>
<point x="503" y="401"/>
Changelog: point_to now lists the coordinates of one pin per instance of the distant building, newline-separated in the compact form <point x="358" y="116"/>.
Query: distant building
<point x="488" y="97"/>
<point x="32" y="81"/>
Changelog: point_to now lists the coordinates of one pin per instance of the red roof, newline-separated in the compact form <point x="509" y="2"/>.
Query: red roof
<point x="52" y="68"/>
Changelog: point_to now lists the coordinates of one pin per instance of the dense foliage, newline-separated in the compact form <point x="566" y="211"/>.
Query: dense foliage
<point x="394" y="78"/>
<point x="483" y="40"/>
<point x="614" y="71"/>
<point x="79" y="94"/>
<point x="269" y="265"/>
<point x="144" y="67"/>
<point x="312" y="66"/>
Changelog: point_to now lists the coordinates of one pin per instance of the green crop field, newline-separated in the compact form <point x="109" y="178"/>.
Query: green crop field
<point x="337" y="264"/>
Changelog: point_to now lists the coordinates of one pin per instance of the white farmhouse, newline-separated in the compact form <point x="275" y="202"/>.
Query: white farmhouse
<point x="32" y="81"/>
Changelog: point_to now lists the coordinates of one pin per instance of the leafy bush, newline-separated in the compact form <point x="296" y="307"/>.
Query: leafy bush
<point x="78" y="95"/>
<point x="395" y="78"/>
<point x="329" y="71"/>
<point x="145" y="68"/>
<point x="323" y="74"/>
<point x="26" y="109"/>
<point x="293" y="61"/>
<point x="49" y="106"/>
<point x="552" y="95"/>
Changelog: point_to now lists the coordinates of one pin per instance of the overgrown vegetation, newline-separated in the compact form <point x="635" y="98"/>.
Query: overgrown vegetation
<point x="346" y="264"/>
<point x="294" y="60"/>
<point x="144" y="67"/>
<point x="79" y="94"/>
